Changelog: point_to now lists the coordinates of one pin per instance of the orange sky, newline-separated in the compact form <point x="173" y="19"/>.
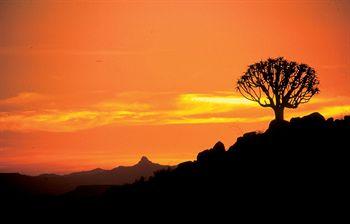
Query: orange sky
<point x="101" y="83"/>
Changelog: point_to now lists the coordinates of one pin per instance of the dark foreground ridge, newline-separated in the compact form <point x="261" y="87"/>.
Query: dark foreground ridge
<point x="303" y="162"/>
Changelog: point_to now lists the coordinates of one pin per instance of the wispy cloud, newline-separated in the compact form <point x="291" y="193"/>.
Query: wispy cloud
<point x="160" y="109"/>
<point x="22" y="98"/>
<point x="42" y="50"/>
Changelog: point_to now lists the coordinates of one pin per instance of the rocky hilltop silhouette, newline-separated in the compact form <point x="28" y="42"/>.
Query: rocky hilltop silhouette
<point x="305" y="159"/>
<point x="302" y="162"/>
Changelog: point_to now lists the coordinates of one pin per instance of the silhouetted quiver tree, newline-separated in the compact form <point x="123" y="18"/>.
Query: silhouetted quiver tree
<point x="279" y="84"/>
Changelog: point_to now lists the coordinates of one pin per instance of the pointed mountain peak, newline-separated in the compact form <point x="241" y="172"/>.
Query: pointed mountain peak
<point x="144" y="160"/>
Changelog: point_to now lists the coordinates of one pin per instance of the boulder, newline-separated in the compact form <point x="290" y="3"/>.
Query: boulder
<point x="211" y="154"/>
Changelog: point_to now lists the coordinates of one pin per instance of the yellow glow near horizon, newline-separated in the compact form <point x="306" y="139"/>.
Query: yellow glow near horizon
<point x="188" y="108"/>
<point x="227" y="99"/>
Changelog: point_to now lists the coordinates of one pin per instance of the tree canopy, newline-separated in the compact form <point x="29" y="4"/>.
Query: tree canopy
<point x="279" y="83"/>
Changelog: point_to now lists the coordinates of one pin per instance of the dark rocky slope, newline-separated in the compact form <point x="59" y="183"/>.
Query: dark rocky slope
<point x="302" y="164"/>
<point x="304" y="161"/>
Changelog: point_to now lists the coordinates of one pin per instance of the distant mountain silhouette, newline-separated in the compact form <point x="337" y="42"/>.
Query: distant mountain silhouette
<point x="300" y="164"/>
<point x="59" y="184"/>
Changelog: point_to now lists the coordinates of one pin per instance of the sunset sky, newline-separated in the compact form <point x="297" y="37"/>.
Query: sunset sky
<point x="87" y="84"/>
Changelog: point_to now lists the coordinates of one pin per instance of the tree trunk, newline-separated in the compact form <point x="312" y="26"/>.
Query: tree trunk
<point x="279" y="113"/>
